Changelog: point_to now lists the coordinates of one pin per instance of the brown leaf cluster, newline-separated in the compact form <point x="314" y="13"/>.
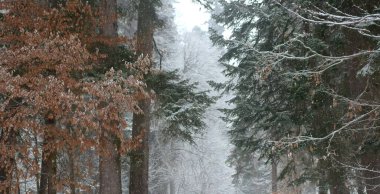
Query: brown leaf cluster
<point x="41" y="99"/>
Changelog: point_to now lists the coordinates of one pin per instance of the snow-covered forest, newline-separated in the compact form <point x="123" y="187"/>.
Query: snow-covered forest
<point x="190" y="96"/>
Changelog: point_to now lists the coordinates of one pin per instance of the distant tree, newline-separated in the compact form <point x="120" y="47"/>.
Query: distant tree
<point x="178" y="105"/>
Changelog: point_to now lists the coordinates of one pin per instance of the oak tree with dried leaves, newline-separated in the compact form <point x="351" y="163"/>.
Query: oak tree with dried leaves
<point x="57" y="100"/>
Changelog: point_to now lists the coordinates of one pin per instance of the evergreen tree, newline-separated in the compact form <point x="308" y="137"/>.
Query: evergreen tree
<point x="283" y="58"/>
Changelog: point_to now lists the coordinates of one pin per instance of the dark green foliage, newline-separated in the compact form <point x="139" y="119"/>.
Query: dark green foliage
<point x="268" y="104"/>
<point x="180" y="105"/>
<point x="284" y="92"/>
<point x="117" y="57"/>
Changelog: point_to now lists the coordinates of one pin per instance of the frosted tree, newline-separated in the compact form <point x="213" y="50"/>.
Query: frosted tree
<point x="302" y="99"/>
<point x="200" y="167"/>
<point x="179" y="166"/>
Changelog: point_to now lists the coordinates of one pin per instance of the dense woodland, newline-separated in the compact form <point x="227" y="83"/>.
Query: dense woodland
<point x="106" y="96"/>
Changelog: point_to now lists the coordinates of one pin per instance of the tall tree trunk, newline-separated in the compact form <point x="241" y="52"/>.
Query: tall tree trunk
<point x="108" y="10"/>
<point x="141" y="122"/>
<point x="109" y="164"/>
<point x="110" y="167"/>
<point x="7" y="138"/>
<point x="47" y="182"/>
<point x="274" y="177"/>
<point x="140" y="157"/>
<point x="49" y="158"/>
<point x="52" y="172"/>
<point x="43" y="178"/>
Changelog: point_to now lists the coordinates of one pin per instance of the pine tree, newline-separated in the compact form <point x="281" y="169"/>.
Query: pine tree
<point x="286" y="56"/>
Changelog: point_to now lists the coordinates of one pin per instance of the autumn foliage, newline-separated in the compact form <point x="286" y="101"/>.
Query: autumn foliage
<point x="56" y="104"/>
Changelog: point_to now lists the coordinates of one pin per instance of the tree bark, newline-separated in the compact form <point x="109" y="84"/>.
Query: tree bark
<point x="7" y="160"/>
<point x="49" y="158"/>
<point x="52" y="172"/>
<point x="110" y="167"/>
<point x="109" y="163"/>
<point x="141" y="122"/>
<point x="108" y="18"/>
<point x="140" y="157"/>
<point x="48" y="161"/>
<point x="48" y="167"/>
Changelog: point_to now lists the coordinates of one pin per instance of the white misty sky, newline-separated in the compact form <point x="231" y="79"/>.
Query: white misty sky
<point x="190" y="14"/>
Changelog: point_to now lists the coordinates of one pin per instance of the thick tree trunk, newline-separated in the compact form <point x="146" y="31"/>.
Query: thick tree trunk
<point x="110" y="167"/>
<point x="141" y="122"/>
<point x="6" y="160"/>
<point x="140" y="157"/>
<point x="42" y="189"/>
<point x="108" y="18"/>
<point x="109" y="164"/>
<point x="52" y="173"/>
<point x="49" y="157"/>
<point x="48" y="164"/>
<point x="145" y="28"/>
<point x="110" y="172"/>
<point x="47" y="182"/>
